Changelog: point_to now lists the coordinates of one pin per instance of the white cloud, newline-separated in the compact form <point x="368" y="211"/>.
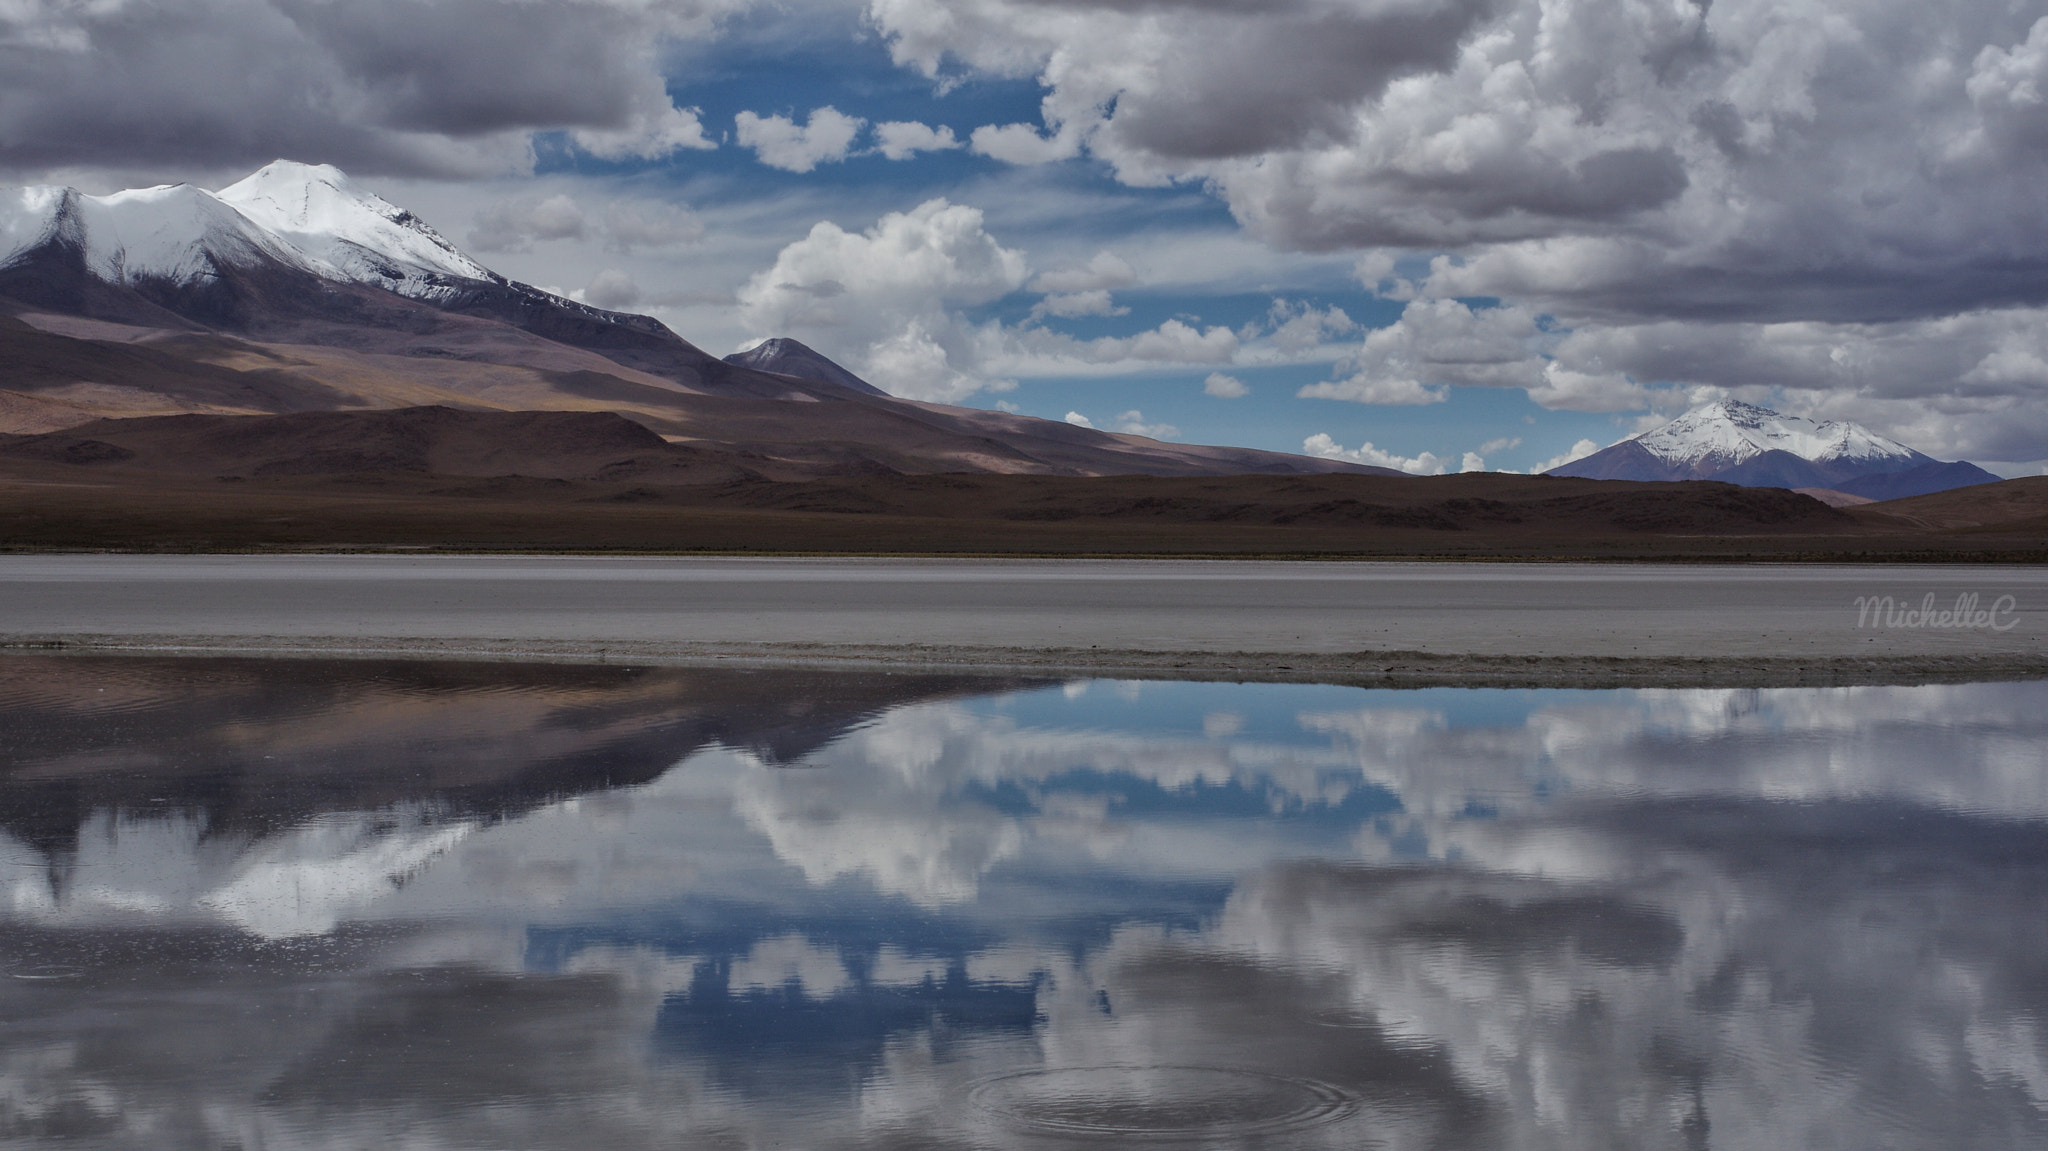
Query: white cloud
<point x="780" y="143"/>
<point x="1224" y="387"/>
<point x="918" y="362"/>
<point x="1023" y="145"/>
<point x="611" y="288"/>
<point x="1426" y="464"/>
<point x="1577" y="451"/>
<point x="660" y="132"/>
<point x="1614" y="164"/>
<point x="1475" y="460"/>
<point x="1172" y="342"/>
<point x="1070" y="305"/>
<point x="1595" y="391"/>
<point x="1079" y="420"/>
<point x="902" y="139"/>
<point x="890" y="296"/>
<point x="1438" y="342"/>
<point x="515" y="225"/>
<point x="936" y="253"/>
<point x="1361" y="389"/>
<point x="772" y="964"/>
<point x="1298" y="327"/>
<point x="1103" y="271"/>
<point x="890" y="303"/>
<point x="1132" y="423"/>
<point x="630" y="225"/>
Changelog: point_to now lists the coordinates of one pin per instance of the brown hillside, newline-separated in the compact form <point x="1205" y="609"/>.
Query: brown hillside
<point x="438" y="477"/>
<point x="2010" y="505"/>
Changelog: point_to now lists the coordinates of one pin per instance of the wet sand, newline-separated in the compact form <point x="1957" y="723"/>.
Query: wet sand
<point x="1399" y="623"/>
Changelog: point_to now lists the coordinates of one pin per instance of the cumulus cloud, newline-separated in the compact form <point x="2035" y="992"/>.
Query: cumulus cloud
<point x="1224" y="387"/>
<point x="902" y="139"/>
<point x="889" y="296"/>
<point x="780" y="142"/>
<point x="1362" y="389"/>
<point x="611" y="288"/>
<point x="658" y="131"/>
<point x="1611" y="163"/>
<point x="1172" y="342"/>
<point x="1297" y="327"/>
<point x="434" y="87"/>
<point x="518" y="223"/>
<point x="514" y="225"/>
<point x="1023" y="145"/>
<point x="1132" y="423"/>
<point x="1083" y="290"/>
<point x="1577" y="451"/>
<point x="630" y="225"/>
<point x="1425" y="464"/>
<point x="1103" y="271"/>
<point x="1070" y="305"/>
<point x="1437" y="342"/>
<point x="1079" y="420"/>
<point x="1962" y="385"/>
<point x="893" y="301"/>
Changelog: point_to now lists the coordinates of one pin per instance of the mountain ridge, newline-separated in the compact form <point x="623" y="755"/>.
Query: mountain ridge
<point x="1753" y="446"/>
<point x="323" y="289"/>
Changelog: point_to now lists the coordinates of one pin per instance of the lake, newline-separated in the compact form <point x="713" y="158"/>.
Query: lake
<point x="355" y="903"/>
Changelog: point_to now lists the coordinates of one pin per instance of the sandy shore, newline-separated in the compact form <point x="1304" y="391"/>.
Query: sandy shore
<point x="1392" y="623"/>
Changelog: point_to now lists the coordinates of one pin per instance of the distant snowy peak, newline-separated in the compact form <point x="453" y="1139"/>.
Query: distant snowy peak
<point x="174" y="232"/>
<point x="365" y="237"/>
<point x="1724" y="434"/>
<point x="1744" y="444"/>
<point x="792" y="358"/>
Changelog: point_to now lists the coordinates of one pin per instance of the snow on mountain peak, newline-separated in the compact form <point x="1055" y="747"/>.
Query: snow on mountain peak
<point x="33" y="216"/>
<point x="366" y="237"/>
<point x="172" y="232"/>
<point x="1728" y="432"/>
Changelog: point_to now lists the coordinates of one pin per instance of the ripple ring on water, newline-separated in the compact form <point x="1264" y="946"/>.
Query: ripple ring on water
<point x="1158" y="1101"/>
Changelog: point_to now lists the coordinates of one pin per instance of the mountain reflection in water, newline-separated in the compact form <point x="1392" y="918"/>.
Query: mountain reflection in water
<point x="301" y="904"/>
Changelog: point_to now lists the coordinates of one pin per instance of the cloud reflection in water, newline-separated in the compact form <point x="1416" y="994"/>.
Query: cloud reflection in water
<point x="447" y="906"/>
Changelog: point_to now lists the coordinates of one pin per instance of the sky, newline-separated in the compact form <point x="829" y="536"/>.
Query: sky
<point x="1431" y="234"/>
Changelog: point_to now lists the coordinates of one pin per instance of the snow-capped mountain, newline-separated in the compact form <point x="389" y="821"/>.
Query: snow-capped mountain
<point x="1718" y="436"/>
<point x="294" y="290"/>
<point x="299" y="254"/>
<point x="173" y="233"/>
<point x="360" y="235"/>
<point x="308" y="217"/>
<point x="1745" y="444"/>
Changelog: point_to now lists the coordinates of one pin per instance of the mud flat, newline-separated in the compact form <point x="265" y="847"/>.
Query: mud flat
<point x="1393" y="623"/>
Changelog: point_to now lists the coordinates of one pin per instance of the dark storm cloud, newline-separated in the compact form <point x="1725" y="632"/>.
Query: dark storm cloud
<point x="467" y="67"/>
<point x="1845" y="190"/>
<point x="396" y="86"/>
<point x="1762" y="154"/>
<point x="1252" y="86"/>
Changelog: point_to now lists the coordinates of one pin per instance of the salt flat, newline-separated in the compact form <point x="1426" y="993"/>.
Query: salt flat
<point x="1484" y="622"/>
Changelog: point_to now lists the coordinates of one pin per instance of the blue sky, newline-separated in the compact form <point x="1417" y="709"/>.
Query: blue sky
<point x="770" y="63"/>
<point x="1434" y="234"/>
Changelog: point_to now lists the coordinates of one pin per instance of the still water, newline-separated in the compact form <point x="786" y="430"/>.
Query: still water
<point x="298" y="904"/>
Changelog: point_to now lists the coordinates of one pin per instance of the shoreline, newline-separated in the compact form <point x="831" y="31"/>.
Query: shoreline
<point x="1391" y="624"/>
<point x="1389" y="669"/>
